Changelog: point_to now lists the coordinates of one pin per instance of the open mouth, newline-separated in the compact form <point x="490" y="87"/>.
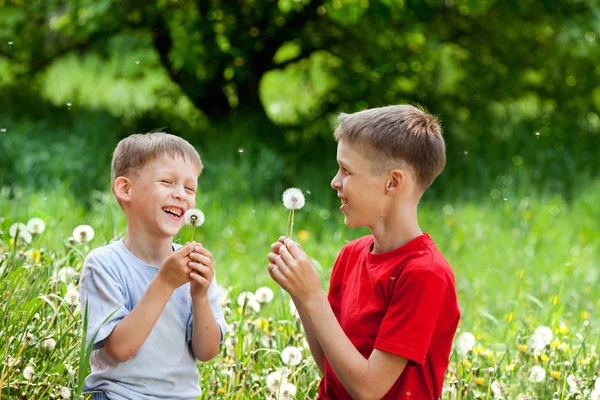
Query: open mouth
<point x="174" y="211"/>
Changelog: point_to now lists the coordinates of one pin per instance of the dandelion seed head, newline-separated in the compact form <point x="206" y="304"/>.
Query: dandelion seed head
<point x="17" y="226"/>
<point x="48" y="344"/>
<point x="65" y="393"/>
<point x="286" y="391"/>
<point x="275" y="380"/>
<point x="28" y="372"/>
<point x="83" y="233"/>
<point x="72" y="297"/>
<point x="537" y="374"/>
<point x="194" y="217"/>
<point x="245" y="297"/>
<point x="293" y="199"/>
<point x="36" y="226"/>
<point x="264" y="295"/>
<point x="291" y="356"/>
<point x="465" y="342"/>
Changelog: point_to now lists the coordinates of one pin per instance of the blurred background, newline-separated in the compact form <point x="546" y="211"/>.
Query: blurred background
<point x="257" y="86"/>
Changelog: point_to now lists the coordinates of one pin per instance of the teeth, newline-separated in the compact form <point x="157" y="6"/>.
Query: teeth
<point x="172" y="211"/>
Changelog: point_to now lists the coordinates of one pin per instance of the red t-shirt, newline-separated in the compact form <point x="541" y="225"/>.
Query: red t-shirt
<point x="402" y="302"/>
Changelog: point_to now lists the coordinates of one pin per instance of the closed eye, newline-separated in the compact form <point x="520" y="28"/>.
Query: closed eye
<point x="166" y="181"/>
<point x="190" y="189"/>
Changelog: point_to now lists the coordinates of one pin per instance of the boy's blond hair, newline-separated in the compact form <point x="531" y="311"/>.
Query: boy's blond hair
<point x="135" y="151"/>
<point x="393" y="136"/>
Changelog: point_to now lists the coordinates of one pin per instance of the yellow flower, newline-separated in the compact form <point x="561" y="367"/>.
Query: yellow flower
<point x="480" y="380"/>
<point x="510" y="317"/>
<point x="555" y="374"/>
<point x="585" y="315"/>
<point x="522" y="348"/>
<point x="221" y="391"/>
<point x="521" y="274"/>
<point x="467" y="363"/>
<point x="554" y="300"/>
<point x="544" y="357"/>
<point x="280" y="328"/>
<point x="563" y="329"/>
<point x="303" y="235"/>
<point x="564" y="347"/>
<point x="479" y="350"/>
<point x="35" y="255"/>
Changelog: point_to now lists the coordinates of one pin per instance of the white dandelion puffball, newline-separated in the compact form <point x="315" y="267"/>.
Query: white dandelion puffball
<point x="36" y="226"/>
<point x="595" y="395"/>
<point x="65" y="274"/>
<point x="72" y="297"/>
<point x="25" y="236"/>
<point x="245" y="297"/>
<point x="465" y="343"/>
<point x="12" y="231"/>
<point x="253" y="306"/>
<point x="194" y="217"/>
<point x="83" y="233"/>
<point x="276" y="379"/>
<point x="48" y="344"/>
<point x="597" y="384"/>
<point x="544" y="333"/>
<point x="264" y="295"/>
<point x="222" y="294"/>
<point x="65" y="393"/>
<point x="291" y="356"/>
<point x="28" y="372"/>
<point x="286" y="391"/>
<point x="537" y="374"/>
<point x="293" y="199"/>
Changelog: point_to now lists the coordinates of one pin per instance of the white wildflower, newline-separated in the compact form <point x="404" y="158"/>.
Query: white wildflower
<point x="36" y="226"/>
<point x="291" y="356"/>
<point x="48" y="344"/>
<point x="12" y="231"/>
<point x="253" y="306"/>
<point x="65" y="274"/>
<point x="496" y="390"/>
<point x="28" y="372"/>
<point x="293" y="199"/>
<point x="24" y="236"/>
<point x="465" y="343"/>
<point x="83" y="233"/>
<point x="276" y="379"/>
<point x="544" y="333"/>
<point x="264" y="295"/>
<point x="65" y="393"/>
<point x="194" y="217"/>
<point x="245" y="297"/>
<point x="537" y="374"/>
<point x="72" y="296"/>
<point x="286" y="391"/>
<point x="573" y="381"/>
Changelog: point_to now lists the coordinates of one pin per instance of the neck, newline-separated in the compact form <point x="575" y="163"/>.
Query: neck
<point x="397" y="228"/>
<point x="152" y="250"/>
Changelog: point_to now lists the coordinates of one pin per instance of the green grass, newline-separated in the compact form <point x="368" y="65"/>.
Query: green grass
<point x="520" y="263"/>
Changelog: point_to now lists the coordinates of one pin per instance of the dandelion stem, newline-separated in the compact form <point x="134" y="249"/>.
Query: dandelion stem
<point x="287" y="228"/>
<point x="292" y="224"/>
<point x="193" y="233"/>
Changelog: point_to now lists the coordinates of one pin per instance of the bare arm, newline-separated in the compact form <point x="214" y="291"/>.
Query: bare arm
<point x="311" y="338"/>
<point x="363" y="378"/>
<point x="206" y="334"/>
<point x="131" y="332"/>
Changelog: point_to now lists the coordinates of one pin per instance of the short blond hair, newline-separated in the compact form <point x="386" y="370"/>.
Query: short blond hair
<point x="400" y="134"/>
<point x="136" y="150"/>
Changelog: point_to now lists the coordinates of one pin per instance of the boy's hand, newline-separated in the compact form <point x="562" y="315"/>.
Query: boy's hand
<point x="292" y="270"/>
<point x="201" y="263"/>
<point x="174" y="271"/>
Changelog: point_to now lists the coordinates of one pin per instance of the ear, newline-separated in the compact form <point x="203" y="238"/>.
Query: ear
<point x="122" y="189"/>
<point x="396" y="182"/>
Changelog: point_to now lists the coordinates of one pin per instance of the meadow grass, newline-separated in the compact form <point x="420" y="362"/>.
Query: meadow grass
<point x="520" y="263"/>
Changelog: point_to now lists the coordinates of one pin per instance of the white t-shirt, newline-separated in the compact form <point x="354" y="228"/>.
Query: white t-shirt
<point x="164" y="367"/>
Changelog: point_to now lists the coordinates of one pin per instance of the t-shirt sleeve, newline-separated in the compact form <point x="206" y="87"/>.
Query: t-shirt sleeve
<point x="103" y="292"/>
<point x="412" y="315"/>
<point x="215" y="304"/>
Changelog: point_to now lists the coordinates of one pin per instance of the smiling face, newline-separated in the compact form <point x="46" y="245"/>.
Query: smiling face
<point x="362" y="193"/>
<point x="160" y="193"/>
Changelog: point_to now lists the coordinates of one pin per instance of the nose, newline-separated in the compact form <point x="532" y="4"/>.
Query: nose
<point x="179" y="192"/>
<point x="336" y="182"/>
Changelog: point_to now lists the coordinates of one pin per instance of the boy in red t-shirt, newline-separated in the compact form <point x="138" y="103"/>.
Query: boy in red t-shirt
<point x="385" y="330"/>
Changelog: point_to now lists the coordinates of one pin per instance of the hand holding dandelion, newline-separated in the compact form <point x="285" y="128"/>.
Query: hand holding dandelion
<point x="293" y="199"/>
<point x="194" y="218"/>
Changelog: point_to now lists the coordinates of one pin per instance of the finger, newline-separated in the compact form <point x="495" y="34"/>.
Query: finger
<point x="287" y="256"/>
<point x="199" y="278"/>
<point x="204" y="251"/>
<point x="277" y="275"/>
<point x="275" y="247"/>
<point x="282" y="239"/>
<point x="295" y="249"/>
<point x="185" y="250"/>
<point x="271" y="257"/>
<point x="282" y="266"/>
<point x="200" y="258"/>
<point x="200" y="268"/>
<point x="271" y="267"/>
